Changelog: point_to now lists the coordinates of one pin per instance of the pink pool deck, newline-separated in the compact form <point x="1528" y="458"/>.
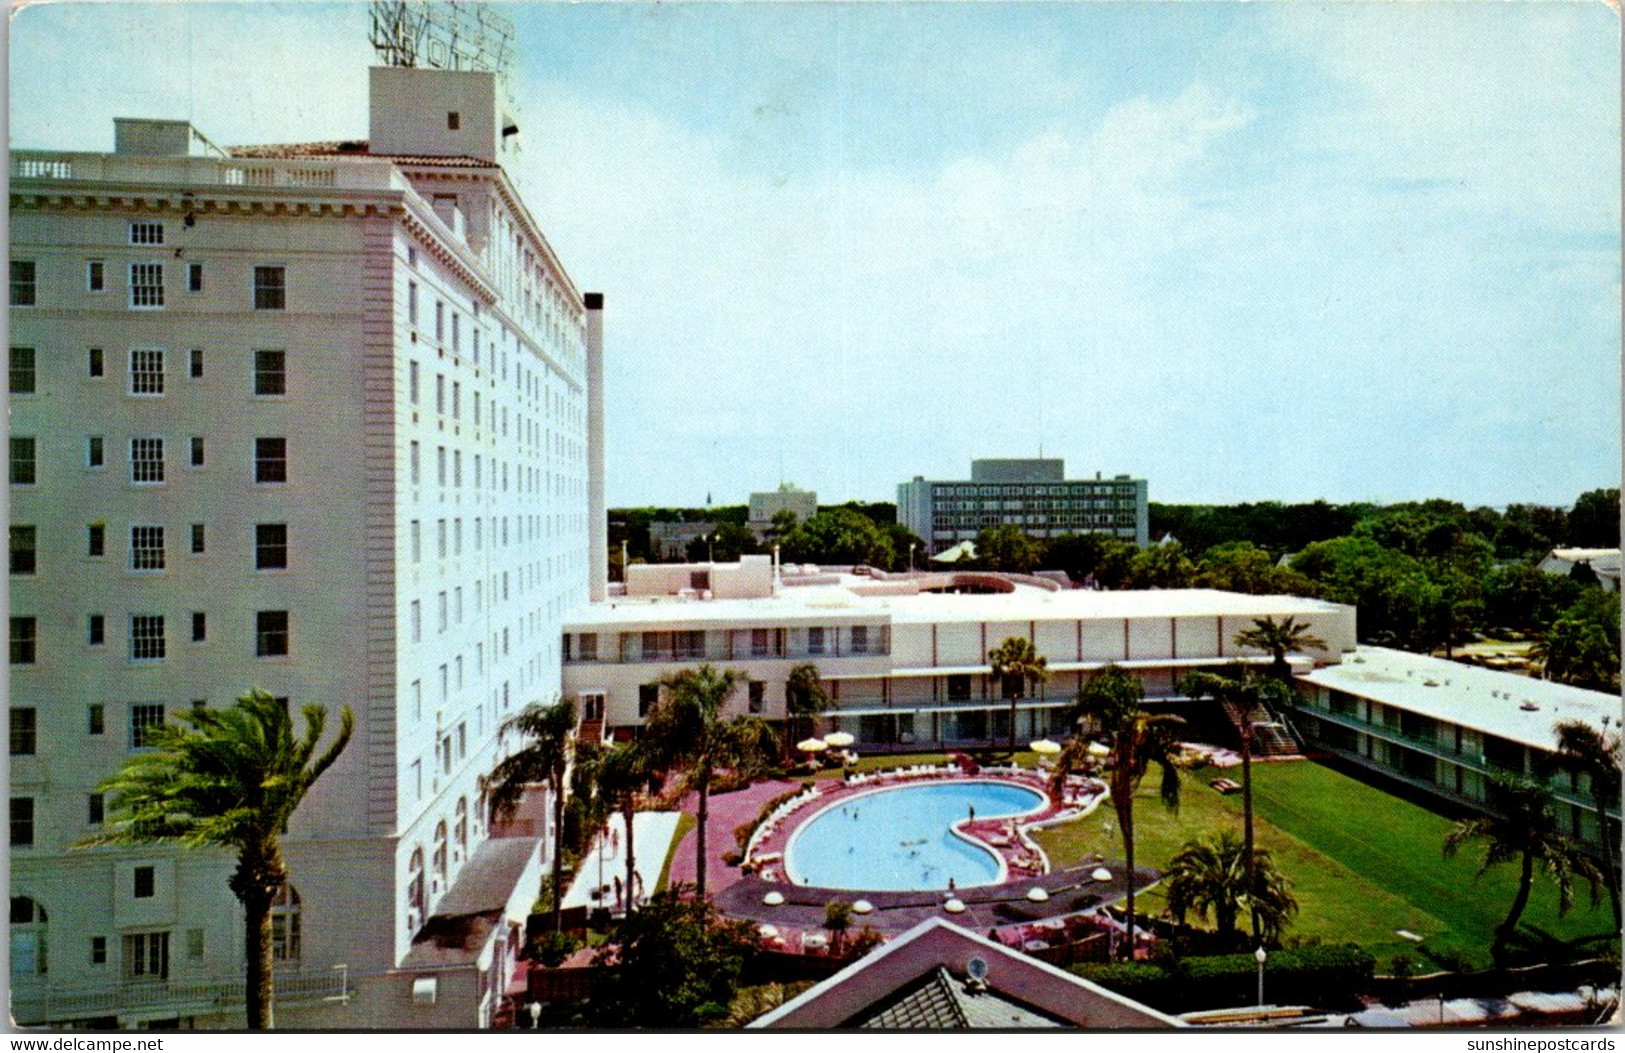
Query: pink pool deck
<point x="1007" y="837"/>
<point x="727" y="812"/>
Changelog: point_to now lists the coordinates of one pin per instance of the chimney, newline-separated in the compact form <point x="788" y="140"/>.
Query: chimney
<point x="597" y="514"/>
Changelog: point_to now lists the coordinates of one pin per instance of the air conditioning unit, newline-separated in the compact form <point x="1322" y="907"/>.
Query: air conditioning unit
<point x="413" y="921"/>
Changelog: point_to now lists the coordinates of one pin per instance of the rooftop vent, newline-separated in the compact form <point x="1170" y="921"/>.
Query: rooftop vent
<point x="1528" y="706"/>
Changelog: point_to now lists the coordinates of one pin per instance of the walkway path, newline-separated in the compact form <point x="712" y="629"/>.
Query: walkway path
<point x="606" y="869"/>
<point x="728" y="811"/>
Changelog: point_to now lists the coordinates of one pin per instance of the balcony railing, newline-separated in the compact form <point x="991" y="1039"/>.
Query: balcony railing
<point x="32" y="1005"/>
<point x="1434" y="748"/>
<point x="283" y="173"/>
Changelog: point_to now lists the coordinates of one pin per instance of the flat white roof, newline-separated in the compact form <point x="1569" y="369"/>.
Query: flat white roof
<point x="1482" y="699"/>
<point x="820" y="604"/>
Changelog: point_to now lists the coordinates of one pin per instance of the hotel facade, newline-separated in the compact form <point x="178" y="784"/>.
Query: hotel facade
<point x="904" y="658"/>
<point x="321" y="419"/>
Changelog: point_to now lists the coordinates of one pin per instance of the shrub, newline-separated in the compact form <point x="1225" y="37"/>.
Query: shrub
<point x="1320" y="976"/>
<point x="733" y="858"/>
<point x="552" y="948"/>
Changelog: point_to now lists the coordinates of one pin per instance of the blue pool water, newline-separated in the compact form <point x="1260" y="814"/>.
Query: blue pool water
<point x="899" y="838"/>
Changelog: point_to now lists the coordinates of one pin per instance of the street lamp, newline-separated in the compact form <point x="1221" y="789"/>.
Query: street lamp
<point x="1261" y="956"/>
<point x="911" y="557"/>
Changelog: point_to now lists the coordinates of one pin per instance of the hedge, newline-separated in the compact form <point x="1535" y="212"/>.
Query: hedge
<point x="1324" y="977"/>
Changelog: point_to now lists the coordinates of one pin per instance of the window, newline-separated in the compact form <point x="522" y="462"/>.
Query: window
<point x="96" y="629"/>
<point x="270" y="633"/>
<point x="439" y="321"/>
<point x="22" y="825"/>
<point x="200" y="626"/>
<point x="144" y="717"/>
<point x="440" y="393"/>
<point x="147" y="460"/>
<point x="22" y="371"/>
<point x="23" y="638"/>
<point x="22" y="460"/>
<point x="147" y="637"/>
<point x="194" y="943"/>
<point x="96" y="718"/>
<point x="194" y="277"/>
<point x="270" y="546"/>
<point x="815" y="641"/>
<point x="271" y="460"/>
<point x="860" y="639"/>
<point x="416" y="461"/>
<point x="24" y="728"/>
<point x="195" y="363"/>
<point x="198" y="539"/>
<point x="146" y="548"/>
<point x="146" y="883"/>
<point x="413" y="384"/>
<point x="454" y="121"/>
<point x="97" y="362"/>
<point x="146" y="372"/>
<point x="96" y="539"/>
<point x="95" y="275"/>
<point x="22" y="283"/>
<point x="146" y="285"/>
<point x="270" y="288"/>
<point x="23" y="550"/>
<point x="758" y="693"/>
<point x="95" y="452"/>
<point x="587" y="647"/>
<point x="412" y="302"/>
<point x="416" y="534"/>
<point x="95" y="809"/>
<point x="285" y="925"/>
<point x="417" y="621"/>
<point x="270" y="372"/>
<point x="144" y="232"/>
<point x="98" y="950"/>
<point x="958" y="688"/>
<point x="648" y="695"/>
<point x="146" y="956"/>
<point x="197" y="451"/>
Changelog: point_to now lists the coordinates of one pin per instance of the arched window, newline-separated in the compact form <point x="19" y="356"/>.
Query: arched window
<point x="28" y="958"/>
<point x="439" y="872"/>
<point x="460" y="828"/>
<point x="415" y="899"/>
<point x="285" y="925"/>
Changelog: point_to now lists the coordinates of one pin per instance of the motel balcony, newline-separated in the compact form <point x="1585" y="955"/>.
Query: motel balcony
<point x="35" y="1001"/>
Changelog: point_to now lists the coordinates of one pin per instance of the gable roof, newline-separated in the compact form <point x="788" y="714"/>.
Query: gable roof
<point x="918" y="980"/>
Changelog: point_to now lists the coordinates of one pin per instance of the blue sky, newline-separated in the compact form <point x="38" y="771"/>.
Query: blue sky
<point x="1246" y="251"/>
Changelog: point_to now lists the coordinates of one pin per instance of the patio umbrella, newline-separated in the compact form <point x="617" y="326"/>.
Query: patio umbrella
<point x="954" y="906"/>
<point x="839" y="739"/>
<point x="1097" y="749"/>
<point x="767" y="932"/>
<point x="1044" y="746"/>
<point x="812" y="745"/>
<point x="862" y="906"/>
<point x="1037" y="895"/>
<point x="774" y="899"/>
<point x="1101" y="874"/>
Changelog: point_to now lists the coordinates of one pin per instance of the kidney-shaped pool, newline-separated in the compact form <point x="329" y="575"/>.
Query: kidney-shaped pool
<point x="900" y="838"/>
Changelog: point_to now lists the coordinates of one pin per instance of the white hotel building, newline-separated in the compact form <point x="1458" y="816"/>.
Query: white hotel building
<point x="319" y="419"/>
<point x="905" y="658"/>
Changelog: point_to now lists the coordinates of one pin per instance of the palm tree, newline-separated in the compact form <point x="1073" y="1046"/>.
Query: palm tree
<point x="228" y="778"/>
<point x="545" y="759"/>
<point x="1110" y="702"/>
<point x="1279" y="639"/>
<point x="624" y="769"/>
<point x="837" y="919"/>
<point x="1248" y="692"/>
<point x="1211" y="874"/>
<point x="804" y="699"/>
<point x="1016" y="664"/>
<point x="686" y="726"/>
<point x="1523" y="827"/>
<point x="1586" y="750"/>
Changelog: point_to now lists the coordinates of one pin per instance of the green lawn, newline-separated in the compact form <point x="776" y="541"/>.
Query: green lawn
<point x="1362" y="863"/>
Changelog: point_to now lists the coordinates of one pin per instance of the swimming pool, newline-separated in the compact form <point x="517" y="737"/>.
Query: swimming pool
<point x="900" y="838"/>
